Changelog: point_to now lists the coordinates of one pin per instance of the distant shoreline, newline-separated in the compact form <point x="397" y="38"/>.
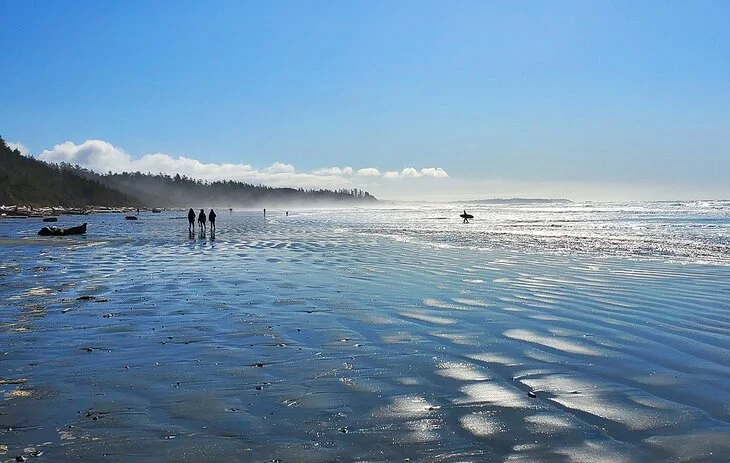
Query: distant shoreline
<point x="30" y="212"/>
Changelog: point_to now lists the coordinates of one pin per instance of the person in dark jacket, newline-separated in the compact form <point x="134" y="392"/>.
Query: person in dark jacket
<point x="201" y="221"/>
<point x="211" y="219"/>
<point x="191" y="221"/>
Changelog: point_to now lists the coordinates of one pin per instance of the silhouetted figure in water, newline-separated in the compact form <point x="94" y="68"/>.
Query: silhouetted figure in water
<point x="466" y="216"/>
<point x="191" y="220"/>
<point x="287" y="213"/>
<point x="201" y="221"/>
<point x="264" y="212"/>
<point x="211" y="219"/>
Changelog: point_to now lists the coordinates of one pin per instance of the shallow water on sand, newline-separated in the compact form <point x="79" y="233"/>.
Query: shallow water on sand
<point x="303" y="339"/>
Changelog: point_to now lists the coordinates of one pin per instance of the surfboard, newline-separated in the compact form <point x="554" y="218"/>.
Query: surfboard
<point x="466" y="216"/>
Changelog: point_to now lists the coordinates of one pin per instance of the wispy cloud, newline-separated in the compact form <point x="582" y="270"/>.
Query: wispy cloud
<point x="20" y="147"/>
<point x="411" y="172"/>
<point x="101" y="156"/>
<point x="368" y="172"/>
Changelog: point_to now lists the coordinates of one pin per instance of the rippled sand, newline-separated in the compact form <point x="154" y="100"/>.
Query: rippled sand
<point x="292" y="340"/>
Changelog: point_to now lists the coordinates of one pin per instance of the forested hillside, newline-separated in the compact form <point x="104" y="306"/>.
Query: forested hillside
<point x="27" y="181"/>
<point x="179" y="191"/>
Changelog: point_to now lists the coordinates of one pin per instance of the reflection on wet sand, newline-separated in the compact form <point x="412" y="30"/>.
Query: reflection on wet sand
<point x="300" y="343"/>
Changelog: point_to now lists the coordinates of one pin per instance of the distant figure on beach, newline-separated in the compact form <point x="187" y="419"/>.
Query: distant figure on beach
<point x="201" y="220"/>
<point x="466" y="216"/>
<point x="211" y="219"/>
<point x="191" y="220"/>
<point x="264" y="212"/>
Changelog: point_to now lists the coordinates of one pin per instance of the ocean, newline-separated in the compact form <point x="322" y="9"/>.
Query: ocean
<point x="538" y="332"/>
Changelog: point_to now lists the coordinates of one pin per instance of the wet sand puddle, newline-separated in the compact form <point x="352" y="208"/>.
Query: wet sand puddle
<point x="292" y="342"/>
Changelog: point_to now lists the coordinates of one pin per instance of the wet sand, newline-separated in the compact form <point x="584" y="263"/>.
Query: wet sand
<point x="293" y="341"/>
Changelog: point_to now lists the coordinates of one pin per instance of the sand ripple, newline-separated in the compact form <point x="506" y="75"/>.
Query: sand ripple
<point x="320" y="338"/>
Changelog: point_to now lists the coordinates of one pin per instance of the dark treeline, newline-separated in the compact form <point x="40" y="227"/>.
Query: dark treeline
<point x="30" y="182"/>
<point x="37" y="183"/>
<point x="179" y="191"/>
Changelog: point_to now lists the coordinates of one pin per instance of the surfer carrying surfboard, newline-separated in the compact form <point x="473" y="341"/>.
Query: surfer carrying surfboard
<point x="466" y="216"/>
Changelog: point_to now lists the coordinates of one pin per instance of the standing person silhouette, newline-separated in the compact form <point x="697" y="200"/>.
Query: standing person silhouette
<point x="201" y="221"/>
<point x="211" y="219"/>
<point x="264" y="212"/>
<point x="191" y="221"/>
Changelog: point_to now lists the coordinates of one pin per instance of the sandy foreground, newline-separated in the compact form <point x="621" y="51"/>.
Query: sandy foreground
<point x="290" y="341"/>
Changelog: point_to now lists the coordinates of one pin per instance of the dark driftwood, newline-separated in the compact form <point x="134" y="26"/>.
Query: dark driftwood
<point x="57" y="231"/>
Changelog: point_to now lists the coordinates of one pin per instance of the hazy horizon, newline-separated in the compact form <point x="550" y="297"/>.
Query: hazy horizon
<point x="407" y="100"/>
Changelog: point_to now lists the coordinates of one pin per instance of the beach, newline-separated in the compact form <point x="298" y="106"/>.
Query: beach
<point x="558" y="333"/>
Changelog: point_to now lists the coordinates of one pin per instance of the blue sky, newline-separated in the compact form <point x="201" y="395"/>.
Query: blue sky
<point x="588" y="100"/>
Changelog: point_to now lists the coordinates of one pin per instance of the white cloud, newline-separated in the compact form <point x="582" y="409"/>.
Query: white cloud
<point x="96" y="155"/>
<point x="368" y="172"/>
<point x="101" y="156"/>
<point x="280" y="168"/>
<point x="18" y="146"/>
<point x="410" y="172"/>
<point x="434" y="172"/>
<point x="346" y="171"/>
